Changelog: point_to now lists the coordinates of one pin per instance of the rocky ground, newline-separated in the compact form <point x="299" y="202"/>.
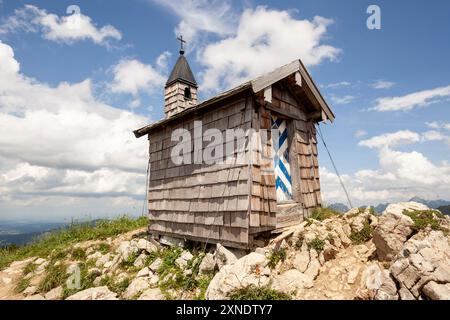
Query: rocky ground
<point x="402" y="254"/>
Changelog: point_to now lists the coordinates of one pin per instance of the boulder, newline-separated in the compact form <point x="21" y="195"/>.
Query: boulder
<point x="143" y="272"/>
<point x="97" y="293"/>
<point x="140" y="261"/>
<point x="436" y="291"/>
<point x="54" y="294"/>
<point x="126" y="249"/>
<point x="301" y="260"/>
<point x="152" y="294"/>
<point x="208" y="264"/>
<point x="137" y="286"/>
<point x="249" y="270"/>
<point x="425" y="258"/>
<point x="393" y="229"/>
<point x="156" y="265"/>
<point x="183" y="259"/>
<point x="147" y="246"/>
<point x="102" y="260"/>
<point x="35" y="297"/>
<point x="291" y="281"/>
<point x="31" y="290"/>
<point x="224" y="256"/>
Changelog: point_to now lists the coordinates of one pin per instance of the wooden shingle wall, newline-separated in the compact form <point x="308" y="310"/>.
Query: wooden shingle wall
<point x="204" y="202"/>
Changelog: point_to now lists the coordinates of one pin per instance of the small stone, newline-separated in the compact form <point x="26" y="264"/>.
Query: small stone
<point x="137" y="286"/>
<point x="140" y="261"/>
<point x="97" y="293"/>
<point x="54" y="294"/>
<point x="156" y="265"/>
<point x="152" y="294"/>
<point x="30" y="291"/>
<point x="143" y="273"/>
<point x="184" y="258"/>
<point x="35" y="297"/>
<point x="208" y="264"/>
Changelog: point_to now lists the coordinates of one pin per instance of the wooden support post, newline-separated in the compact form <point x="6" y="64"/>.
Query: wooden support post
<point x="268" y="95"/>
<point x="298" y="79"/>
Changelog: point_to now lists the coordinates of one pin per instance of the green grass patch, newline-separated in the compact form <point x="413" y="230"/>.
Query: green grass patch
<point x="79" y="254"/>
<point x="22" y="285"/>
<point x="103" y="248"/>
<point x="276" y="256"/>
<point x="323" y="213"/>
<point x="86" y="279"/>
<point x="55" y="276"/>
<point x="129" y="262"/>
<point x="253" y="292"/>
<point x="362" y="236"/>
<point x="30" y="267"/>
<point x="63" y="238"/>
<point x="118" y="287"/>
<point x="425" y="218"/>
<point x="316" y="244"/>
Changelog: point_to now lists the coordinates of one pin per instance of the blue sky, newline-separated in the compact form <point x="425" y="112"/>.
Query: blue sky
<point x="70" y="97"/>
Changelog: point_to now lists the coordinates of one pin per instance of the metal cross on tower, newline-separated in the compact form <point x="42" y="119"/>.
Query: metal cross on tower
<point x="182" y="41"/>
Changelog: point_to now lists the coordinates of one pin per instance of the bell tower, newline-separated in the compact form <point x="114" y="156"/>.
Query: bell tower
<point x="181" y="88"/>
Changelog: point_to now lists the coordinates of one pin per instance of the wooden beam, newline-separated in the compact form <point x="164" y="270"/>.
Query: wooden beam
<point x="298" y="79"/>
<point x="282" y="112"/>
<point x="268" y="94"/>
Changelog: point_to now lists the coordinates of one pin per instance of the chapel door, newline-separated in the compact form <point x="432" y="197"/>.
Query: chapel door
<point x="280" y="152"/>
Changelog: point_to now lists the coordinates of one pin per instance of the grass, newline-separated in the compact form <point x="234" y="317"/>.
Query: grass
<point x="117" y="287"/>
<point x="129" y="262"/>
<point x="103" y="248"/>
<point x="362" y="236"/>
<point x="86" y="279"/>
<point x="55" y="276"/>
<point x="316" y="244"/>
<point x="76" y="232"/>
<point x="79" y="254"/>
<point x="276" y="256"/>
<point x="323" y="213"/>
<point x="425" y="218"/>
<point x="30" y="267"/>
<point x="22" y="285"/>
<point x="253" y="292"/>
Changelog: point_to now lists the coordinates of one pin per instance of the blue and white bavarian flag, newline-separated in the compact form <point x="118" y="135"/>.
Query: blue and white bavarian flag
<point x="280" y="152"/>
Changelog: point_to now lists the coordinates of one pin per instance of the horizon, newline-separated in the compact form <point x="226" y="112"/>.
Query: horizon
<point x="80" y="91"/>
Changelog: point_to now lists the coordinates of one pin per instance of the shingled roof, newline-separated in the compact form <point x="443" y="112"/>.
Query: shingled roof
<point x="255" y="85"/>
<point x="182" y="72"/>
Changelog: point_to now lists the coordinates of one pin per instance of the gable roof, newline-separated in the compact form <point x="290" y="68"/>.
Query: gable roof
<point x="256" y="85"/>
<point x="181" y="72"/>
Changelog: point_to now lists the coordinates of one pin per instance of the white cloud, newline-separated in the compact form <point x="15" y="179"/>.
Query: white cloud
<point x="163" y="59"/>
<point x="132" y="76"/>
<point x="399" y="177"/>
<point x="338" y="84"/>
<point x="382" y="84"/>
<point x="438" y="125"/>
<point x="62" y="141"/>
<point x="413" y="100"/>
<point x="391" y="139"/>
<point x="258" y="46"/>
<point x="65" y="29"/>
<point x="196" y="16"/>
<point x="342" y="100"/>
<point x="360" y="133"/>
